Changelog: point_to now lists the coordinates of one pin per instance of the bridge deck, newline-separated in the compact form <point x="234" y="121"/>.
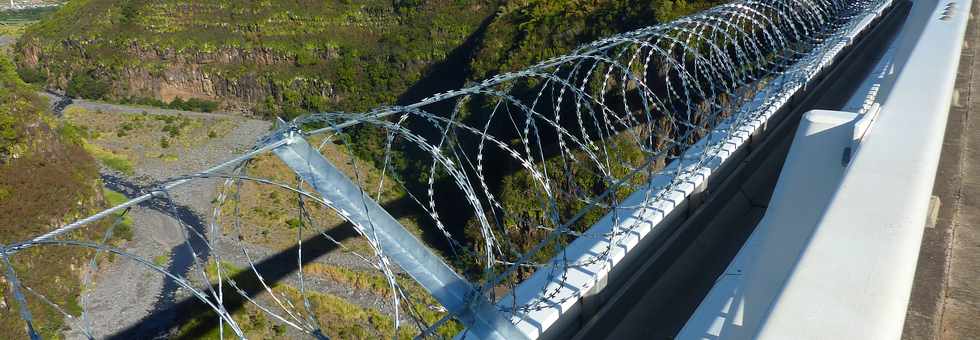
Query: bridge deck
<point x="946" y="298"/>
<point x="657" y="302"/>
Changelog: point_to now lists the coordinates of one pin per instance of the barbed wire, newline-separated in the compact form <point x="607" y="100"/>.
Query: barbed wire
<point x="498" y="177"/>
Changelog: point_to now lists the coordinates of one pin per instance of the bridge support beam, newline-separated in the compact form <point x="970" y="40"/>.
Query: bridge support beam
<point x="356" y="206"/>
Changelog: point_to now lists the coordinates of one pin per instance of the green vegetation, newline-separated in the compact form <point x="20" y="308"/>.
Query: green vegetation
<point x="161" y="260"/>
<point x="29" y="14"/>
<point x="376" y="284"/>
<point x="13" y="23"/>
<point x="359" y="280"/>
<point x="340" y="318"/>
<point x="290" y="58"/>
<point x="523" y="33"/>
<point x="267" y="212"/>
<point x="46" y="178"/>
<point x="173" y="125"/>
<point x="111" y="160"/>
<point x="529" y="31"/>
<point x="526" y="32"/>
<point x="32" y="76"/>
<point x="287" y="58"/>
<point x="278" y="57"/>
<point x="84" y="85"/>
<point x="9" y="134"/>
<point x="124" y="141"/>
<point x="12" y="28"/>
<point x="124" y="227"/>
<point x="114" y="197"/>
<point x="193" y="104"/>
<point x="14" y="95"/>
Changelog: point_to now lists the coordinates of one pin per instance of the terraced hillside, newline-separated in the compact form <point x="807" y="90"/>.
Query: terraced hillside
<point x="270" y="56"/>
<point x="289" y="57"/>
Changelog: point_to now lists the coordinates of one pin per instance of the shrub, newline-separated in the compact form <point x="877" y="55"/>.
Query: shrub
<point x="178" y="104"/>
<point x="407" y="6"/>
<point x="73" y="133"/>
<point x="172" y="130"/>
<point x="294" y="223"/>
<point x="83" y="85"/>
<point x="201" y="105"/>
<point x="9" y="134"/>
<point x="280" y="330"/>
<point x="119" y="164"/>
<point x="193" y="104"/>
<point x="306" y="57"/>
<point x="129" y="12"/>
<point x="161" y="260"/>
<point x="32" y="76"/>
<point x="124" y="229"/>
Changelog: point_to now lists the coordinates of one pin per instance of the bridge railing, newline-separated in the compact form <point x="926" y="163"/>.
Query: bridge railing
<point x="493" y="210"/>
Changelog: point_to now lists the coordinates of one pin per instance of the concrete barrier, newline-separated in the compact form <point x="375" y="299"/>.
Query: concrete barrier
<point x="837" y="260"/>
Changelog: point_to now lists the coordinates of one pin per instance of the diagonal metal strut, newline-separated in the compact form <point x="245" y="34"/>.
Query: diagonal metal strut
<point x="449" y="288"/>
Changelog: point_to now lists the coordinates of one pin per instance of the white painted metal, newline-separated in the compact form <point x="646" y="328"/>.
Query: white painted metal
<point x="863" y="125"/>
<point x="846" y="271"/>
<point x="736" y="306"/>
<point x="566" y="293"/>
<point x="856" y="276"/>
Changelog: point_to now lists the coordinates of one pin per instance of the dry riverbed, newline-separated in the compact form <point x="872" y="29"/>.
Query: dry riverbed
<point x="142" y="146"/>
<point x="138" y="147"/>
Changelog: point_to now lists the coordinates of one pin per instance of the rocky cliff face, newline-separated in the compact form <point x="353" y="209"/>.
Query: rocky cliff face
<point x="166" y="74"/>
<point x="273" y="58"/>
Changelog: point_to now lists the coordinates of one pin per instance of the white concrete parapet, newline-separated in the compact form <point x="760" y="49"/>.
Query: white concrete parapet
<point x="835" y="255"/>
<point x="634" y="227"/>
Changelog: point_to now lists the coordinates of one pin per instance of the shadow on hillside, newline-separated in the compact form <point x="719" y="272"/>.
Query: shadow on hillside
<point x="277" y="267"/>
<point x="450" y="73"/>
<point x="273" y="269"/>
<point x="446" y="75"/>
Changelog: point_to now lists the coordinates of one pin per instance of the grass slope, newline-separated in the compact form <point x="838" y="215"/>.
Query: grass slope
<point x="46" y="178"/>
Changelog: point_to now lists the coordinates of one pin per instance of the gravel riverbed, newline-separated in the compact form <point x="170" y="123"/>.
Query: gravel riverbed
<point x="127" y="293"/>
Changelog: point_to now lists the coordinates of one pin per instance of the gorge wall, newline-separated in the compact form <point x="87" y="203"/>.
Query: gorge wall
<point x="279" y="58"/>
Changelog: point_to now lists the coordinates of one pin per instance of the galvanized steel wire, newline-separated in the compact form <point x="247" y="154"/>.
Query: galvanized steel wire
<point x="576" y="133"/>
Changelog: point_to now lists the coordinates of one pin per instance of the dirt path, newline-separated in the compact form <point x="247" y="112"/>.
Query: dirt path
<point x="130" y="109"/>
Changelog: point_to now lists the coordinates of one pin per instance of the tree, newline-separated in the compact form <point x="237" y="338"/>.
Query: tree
<point x="83" y="85"/>
<point x="669" y="10"/>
